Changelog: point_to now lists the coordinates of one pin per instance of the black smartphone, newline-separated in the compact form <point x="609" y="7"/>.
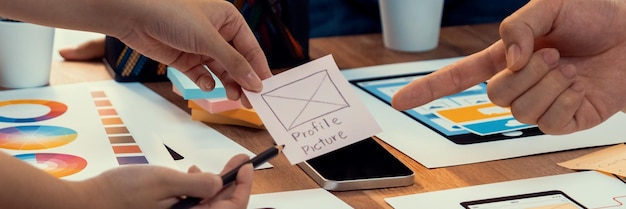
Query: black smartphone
<point x="545" y="199"/>
<point x="362" y="165"/>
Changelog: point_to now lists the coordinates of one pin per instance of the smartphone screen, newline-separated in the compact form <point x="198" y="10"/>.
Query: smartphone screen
<point x="539" y="200"/>
<point x="365" y="159"/>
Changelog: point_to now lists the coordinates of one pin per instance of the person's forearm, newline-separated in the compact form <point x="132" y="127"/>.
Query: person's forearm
<point x="103" y="16"/>
<point x="25" y="187"/>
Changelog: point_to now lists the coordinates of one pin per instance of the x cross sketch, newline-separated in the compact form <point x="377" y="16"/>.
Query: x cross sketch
<point x="318" y="96"/>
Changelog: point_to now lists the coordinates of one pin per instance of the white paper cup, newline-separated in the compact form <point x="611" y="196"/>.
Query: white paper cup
<point x="25" y="54"/>
<point x="411" y="25"/>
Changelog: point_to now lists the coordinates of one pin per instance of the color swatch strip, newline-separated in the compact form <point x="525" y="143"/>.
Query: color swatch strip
<point x="126" y="149"/>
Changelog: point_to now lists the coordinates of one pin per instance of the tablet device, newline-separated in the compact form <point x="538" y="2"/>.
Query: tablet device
<point x="384" y="87"/>
<point x="539" y="200"/>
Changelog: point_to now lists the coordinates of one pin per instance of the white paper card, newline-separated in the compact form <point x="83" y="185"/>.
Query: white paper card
<point x="301" y="199"/>
<point x="312" y="110"/>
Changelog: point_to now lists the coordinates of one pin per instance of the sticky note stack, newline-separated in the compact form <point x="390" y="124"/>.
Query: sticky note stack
<point x="213" y="106"/>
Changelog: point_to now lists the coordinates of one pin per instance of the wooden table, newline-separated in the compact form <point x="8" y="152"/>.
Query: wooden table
<point x="352" y="52"/>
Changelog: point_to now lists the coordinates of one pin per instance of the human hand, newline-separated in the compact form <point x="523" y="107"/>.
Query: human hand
<point x="90" y="50"/>
<point x="590" y="40"/>
<point x="187" y="35"/>
<point x="231" y="196"/>
<point x="146" y="186"/>
<point x="190" y="34"/>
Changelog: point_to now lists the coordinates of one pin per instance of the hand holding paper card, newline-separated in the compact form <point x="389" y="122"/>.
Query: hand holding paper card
<point x="312" y="110"/>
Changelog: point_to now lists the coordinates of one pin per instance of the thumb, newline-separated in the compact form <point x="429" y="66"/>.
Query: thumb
<point x="194" y="184"/>
<point x="194" y="169"/>
<point x="519" y="30"/>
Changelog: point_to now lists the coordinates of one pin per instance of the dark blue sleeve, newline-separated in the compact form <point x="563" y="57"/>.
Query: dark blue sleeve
<point x="347" y="17"/>
<point x="464" y="12"/>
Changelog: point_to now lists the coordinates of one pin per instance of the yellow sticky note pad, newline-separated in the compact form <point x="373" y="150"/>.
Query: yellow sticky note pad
<point x="242" y="114"/>
<point x="248" y="115"/>
<point x="204" y="116"/>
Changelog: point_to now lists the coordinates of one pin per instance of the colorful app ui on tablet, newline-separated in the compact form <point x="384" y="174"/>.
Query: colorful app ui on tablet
<point x="464" y="118"/>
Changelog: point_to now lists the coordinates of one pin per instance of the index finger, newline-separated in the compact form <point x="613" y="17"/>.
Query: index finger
<point x="246" y="44"/>
<point x="239" y="62"/>
<point x="234" y="162"/>
<point x="193" y="184"/>
<point x="453" y="78"/>
<point x="240" y="53"/>
<point x="519" y="30"/>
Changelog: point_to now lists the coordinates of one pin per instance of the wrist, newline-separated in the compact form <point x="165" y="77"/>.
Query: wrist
<point x="86" y="195"/>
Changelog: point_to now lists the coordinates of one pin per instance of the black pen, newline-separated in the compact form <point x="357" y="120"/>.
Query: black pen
<point x="230" y="176"/>
<point x="2" y="19"/>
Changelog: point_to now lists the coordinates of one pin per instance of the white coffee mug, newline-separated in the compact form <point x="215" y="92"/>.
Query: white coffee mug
<point x="25" y="54"/>
<point x="411" y="25"/>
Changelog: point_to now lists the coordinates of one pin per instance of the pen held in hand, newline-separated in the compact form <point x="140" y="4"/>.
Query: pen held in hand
<point x="231" y="175"/>
<point x="2" y="19"/>
<point x="256" y="161"/>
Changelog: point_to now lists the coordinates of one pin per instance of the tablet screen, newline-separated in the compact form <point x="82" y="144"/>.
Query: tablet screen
<point x="383" y="88"/>
<point x="540" y="200"/>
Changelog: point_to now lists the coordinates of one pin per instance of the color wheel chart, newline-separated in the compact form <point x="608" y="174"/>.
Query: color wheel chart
<point x="126" y="149"/>
<point x="59" y="165"/>
<point x="55" y="109"/>
<point x="86" y="129"/>
<point x="40" y="137"/>
<point x="35" y="137"/>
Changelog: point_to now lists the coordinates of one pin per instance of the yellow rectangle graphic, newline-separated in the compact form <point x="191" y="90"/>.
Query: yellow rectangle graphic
<point x="474" y="113"/>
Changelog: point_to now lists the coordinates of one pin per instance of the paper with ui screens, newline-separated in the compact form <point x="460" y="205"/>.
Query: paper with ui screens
<point x="482" y="119"/>
<point x="312" y="110"/>
<point x="611" y="160"/>
<point x="301" y="199"/>
<point x="589" y="188"/>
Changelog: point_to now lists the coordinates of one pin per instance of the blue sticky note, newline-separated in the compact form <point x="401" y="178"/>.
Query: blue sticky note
<point x="495" y="126"/>
<point x="189" y="90"/>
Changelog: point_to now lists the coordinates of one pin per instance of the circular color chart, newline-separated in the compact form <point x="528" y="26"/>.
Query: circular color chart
<point x="56" y="109"/>
<point x="35" y="137"/>
<point x="59" y="165"/>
